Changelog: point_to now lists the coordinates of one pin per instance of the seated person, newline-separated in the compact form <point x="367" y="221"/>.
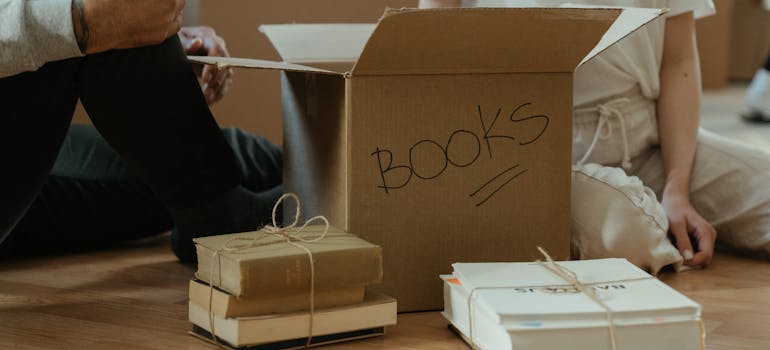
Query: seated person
<point x="92" y="198"/>
<point x="637" y="144"/>
<point x="126" y="64"/>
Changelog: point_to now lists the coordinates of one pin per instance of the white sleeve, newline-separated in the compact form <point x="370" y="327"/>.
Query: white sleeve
<point x="700" y="8"/>
<point x="33" y="32"/>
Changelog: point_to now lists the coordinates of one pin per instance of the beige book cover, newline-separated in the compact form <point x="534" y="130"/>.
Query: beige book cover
<point x="377" y="310"/>
<point x="229" y="306"/>
<point x="275" y="267"/>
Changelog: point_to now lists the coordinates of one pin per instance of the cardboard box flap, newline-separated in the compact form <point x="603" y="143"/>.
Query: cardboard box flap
<point x="483" y="40"/>
<point x="318" y="43"/>
<point x="258" y="64"/>
<point x="629" y="21"/>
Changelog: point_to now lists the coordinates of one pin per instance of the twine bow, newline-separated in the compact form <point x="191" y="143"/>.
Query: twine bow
<point x="291" y="234"/>
<point x="566" y="274"/>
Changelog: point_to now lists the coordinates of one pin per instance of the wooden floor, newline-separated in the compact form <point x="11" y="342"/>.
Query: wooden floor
<point x="135" y="298"/>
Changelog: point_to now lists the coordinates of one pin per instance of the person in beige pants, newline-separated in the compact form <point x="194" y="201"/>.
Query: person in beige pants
<point x="644" y="170"/>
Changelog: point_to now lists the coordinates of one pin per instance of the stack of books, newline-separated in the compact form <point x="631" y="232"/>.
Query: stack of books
<point x="258" y="295"/>
<point x="526" y="306"/>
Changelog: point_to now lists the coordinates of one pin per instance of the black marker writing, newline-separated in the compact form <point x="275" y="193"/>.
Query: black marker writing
<point x="385" y="169"/>
<point x="500" y="186"/>
<point x="428" y="159"/>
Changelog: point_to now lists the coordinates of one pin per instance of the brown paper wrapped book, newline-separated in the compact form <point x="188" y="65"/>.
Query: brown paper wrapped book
<point x="275" y="267"/>
<point x="226" y="305"/>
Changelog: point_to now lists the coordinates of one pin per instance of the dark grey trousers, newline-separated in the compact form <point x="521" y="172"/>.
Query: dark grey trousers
<point x="147" y="104"/>
<point x="92" y="197"/>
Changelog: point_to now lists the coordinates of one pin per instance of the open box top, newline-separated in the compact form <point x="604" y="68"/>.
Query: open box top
<point x="450" y="41"/>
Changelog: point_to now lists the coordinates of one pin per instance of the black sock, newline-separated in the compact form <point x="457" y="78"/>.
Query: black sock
<point x="237" y="210"/>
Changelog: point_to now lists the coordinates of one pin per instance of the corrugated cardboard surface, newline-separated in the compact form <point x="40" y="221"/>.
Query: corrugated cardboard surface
<point x="315" y="161"/>
<point x="477" y="168"/>
<point x="751" y="38"/>
<point x="477" y="165"/>
<point x="714" y="45"/>
<point x="482" y="41"/>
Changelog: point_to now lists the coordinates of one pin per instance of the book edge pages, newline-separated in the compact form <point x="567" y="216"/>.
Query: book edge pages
<point x="231" y="329"/>
<point x="373" y="332"/>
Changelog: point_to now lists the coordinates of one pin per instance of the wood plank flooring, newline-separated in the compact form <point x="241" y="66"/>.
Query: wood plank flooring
<point x="136" y="298"/>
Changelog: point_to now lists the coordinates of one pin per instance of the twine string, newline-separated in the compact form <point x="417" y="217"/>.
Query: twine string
<point x="291" y="234"/>
<point x="564" y="273"/>
<point x="571" y="278"/>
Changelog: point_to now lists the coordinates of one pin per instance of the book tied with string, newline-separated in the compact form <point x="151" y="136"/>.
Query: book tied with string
<point x="255" y="289"/>
<point x="260" y="264"/>
<point x="610" y="304"/>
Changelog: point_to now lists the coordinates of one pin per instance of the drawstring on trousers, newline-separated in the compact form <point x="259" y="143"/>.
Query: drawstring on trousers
<point x="604" y="130"/>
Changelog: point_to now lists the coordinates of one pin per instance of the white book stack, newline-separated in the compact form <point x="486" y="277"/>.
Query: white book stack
<point x="526" y="306"/>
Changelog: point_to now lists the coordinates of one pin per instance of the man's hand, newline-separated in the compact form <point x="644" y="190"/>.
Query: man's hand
<point x="120" y="24"/>
<point x="203" y="41"/>
<point x="684" y="223"/>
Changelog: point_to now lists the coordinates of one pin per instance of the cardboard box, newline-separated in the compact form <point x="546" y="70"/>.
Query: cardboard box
<point x="441" y="135"/>
<point x="714" y="45"/>
<point x="750" y="42"/>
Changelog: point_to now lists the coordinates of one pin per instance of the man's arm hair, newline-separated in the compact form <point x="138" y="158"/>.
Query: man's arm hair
<point x="79" y="25"/>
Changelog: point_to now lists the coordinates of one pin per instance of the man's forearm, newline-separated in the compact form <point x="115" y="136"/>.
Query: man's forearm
<point x="79" y="25"/>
